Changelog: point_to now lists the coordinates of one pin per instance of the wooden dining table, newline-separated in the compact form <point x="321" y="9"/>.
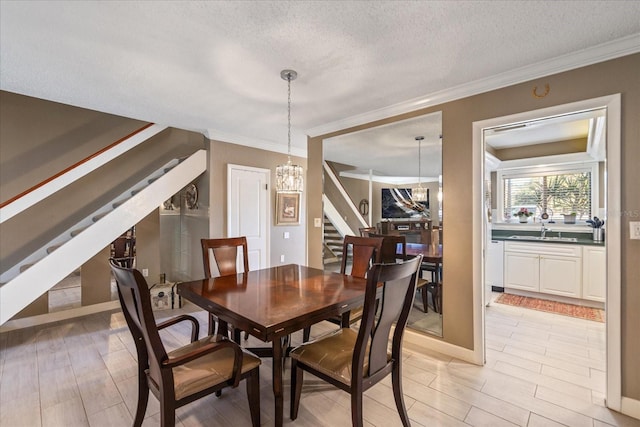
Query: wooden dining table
<point x="430" y="253"/>
<point x="274" y="302"/>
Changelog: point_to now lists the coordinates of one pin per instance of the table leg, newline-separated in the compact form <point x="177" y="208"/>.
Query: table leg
<point x="277" y="381"/>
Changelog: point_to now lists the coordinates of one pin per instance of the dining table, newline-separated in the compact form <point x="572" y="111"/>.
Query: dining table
<point x="272" y="303"/>
<point x="431" y="254"/>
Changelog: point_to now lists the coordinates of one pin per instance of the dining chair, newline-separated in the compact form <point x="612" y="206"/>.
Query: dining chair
<point x="365" y="231"/>
<point x="358" y="253"/>
<point x="390" y="244"/>
<point x="181" y="376"/>
<point x="354" y="361"/>
<point x="222" y="254"/>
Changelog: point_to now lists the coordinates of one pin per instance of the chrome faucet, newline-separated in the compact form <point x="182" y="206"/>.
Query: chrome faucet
<point x="543" y="230"/>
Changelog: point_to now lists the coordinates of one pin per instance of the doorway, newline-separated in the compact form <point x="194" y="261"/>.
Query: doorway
<point x="611" y="212"/>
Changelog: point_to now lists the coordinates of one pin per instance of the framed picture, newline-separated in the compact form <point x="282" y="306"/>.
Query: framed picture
<point x="287" y="208"/>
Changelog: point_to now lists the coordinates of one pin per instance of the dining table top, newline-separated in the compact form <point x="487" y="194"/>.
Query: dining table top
<point x="430" y="253"/>
<point x="276" y="301"/>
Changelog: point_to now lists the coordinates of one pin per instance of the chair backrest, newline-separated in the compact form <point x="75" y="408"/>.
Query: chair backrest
<point x="363" y="251"/>
<point x="225" y="255"/>
<point x="366" y="231"/>
<point x="382" y="309"/>
<point x="135" y="300"/>
<point x="390" y="245"/>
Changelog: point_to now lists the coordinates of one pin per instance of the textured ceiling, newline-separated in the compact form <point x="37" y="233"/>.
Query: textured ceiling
<point x="215" y="66"/>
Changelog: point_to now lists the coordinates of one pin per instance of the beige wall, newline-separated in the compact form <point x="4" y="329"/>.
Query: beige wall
<point x="540" y="150"/>
<point x="610" y="77"/>
<point x="222" y="154"/>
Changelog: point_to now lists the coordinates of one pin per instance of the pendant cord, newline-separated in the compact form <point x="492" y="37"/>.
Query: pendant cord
<point x="289" y="120"/>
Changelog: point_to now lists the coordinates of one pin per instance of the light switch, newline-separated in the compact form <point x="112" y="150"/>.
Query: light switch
<point x="286" y="234"/>
<point x="634" y="230"/>
<point x="317" y="222"/>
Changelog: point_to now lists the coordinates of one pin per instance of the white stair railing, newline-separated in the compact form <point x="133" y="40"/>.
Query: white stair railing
<point x="27" y="286"/>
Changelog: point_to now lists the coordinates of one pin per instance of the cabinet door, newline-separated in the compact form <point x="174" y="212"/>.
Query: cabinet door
<point x="594" y="273"/>
<point x="561" y="276"/>
<point x="521" y="271"/>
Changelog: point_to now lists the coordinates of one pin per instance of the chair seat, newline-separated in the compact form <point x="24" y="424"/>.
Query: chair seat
<point x="208" y="370"/>
<point x="332" y="354"/>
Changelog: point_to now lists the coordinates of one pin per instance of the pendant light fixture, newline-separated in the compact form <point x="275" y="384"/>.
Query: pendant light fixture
<point x="289" y="177"/>
<point x="419" y="194"/>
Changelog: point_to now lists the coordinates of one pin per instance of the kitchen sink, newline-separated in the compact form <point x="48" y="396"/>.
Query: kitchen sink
<point x="544" y="239"/>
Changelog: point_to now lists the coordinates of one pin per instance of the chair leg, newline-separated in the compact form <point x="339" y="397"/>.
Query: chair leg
<point x="253" y="395"/>
<point x="356" y="408"/>
<point x="143" y="398"/>
<point x="167" y="413"/>
<point x="396" y="381"/>
<point x="296" y="388"/>
<point x="425" y="299"/>
<point x="306" y="334"/>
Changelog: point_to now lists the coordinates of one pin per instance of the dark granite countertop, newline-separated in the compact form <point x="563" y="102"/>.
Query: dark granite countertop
<point x="584" y="239"/>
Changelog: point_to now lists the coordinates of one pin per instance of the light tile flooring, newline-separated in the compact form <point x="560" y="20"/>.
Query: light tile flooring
<point x="542" y="370"/>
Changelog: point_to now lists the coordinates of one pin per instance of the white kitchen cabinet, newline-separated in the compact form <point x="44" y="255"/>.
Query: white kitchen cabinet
<point x="521" y="271"/>
<point x="561" y="275"/>
<point x="543" y="267"/>
<point x="594" y="273"/>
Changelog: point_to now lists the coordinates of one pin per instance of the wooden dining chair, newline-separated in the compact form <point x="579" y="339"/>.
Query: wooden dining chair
<point x="394" y="247"/>
<point x="358" y="254"/>
<point x="220" y="258"/>
<point x="366" y="231"/>
<point x="354" y="361"/>
<point x="188" y="373"/>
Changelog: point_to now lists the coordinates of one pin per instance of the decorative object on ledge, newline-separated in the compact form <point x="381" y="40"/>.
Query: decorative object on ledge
<point x="523" y="215"/>
<point x="570" y="218"/>
<point x="289" y="176"/>
<point x="191" y="197"/>
<point x="419" y="194"/>
<point x="287" y="208"/>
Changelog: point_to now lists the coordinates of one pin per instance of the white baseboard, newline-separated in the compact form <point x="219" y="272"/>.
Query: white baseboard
<point x="630" y="407"/>
<point x="43" y="319"/>
<point x="434" y="344"/>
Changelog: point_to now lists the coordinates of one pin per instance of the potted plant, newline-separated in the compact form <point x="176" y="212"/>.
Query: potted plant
<point x="597" y="223"/>
<point x="523" y="215"/>
<point x="570" y="218"/>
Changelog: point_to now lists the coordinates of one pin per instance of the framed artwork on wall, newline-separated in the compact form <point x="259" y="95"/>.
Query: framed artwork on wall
<point x="287" y="208"/>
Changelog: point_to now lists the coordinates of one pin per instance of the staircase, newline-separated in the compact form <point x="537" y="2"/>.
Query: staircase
<point x="332" y="250"/>
<point x="24" y="282"/>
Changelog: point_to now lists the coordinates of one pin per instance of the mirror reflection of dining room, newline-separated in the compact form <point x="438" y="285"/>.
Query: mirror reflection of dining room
<point x="386" y="182"/>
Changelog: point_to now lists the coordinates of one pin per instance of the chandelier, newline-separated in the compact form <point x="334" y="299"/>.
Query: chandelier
<point x="419" y="194"/>
<point x="289" y="177"/>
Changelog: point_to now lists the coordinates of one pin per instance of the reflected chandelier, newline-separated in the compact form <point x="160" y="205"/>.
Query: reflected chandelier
<point x="419" y="194"/>
<point x="289" y="177"/>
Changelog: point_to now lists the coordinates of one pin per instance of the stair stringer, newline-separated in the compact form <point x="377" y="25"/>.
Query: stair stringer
<point x="46" y="273"/>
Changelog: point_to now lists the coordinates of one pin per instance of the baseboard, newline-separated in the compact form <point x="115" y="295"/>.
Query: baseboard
<point x="630" y="407"/>
<point x="43" y="319"/>
<point x="435" y="344"/>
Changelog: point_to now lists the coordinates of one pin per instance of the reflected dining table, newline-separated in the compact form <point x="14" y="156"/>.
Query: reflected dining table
<point x="274" y="302"/>
<point x="430" y="254"/>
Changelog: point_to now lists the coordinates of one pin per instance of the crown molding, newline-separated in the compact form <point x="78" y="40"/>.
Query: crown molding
<point x="261" y="144"/>
<point x="603" y="52"/>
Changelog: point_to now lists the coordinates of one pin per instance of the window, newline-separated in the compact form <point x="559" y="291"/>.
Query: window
<point x="557" y="190"/>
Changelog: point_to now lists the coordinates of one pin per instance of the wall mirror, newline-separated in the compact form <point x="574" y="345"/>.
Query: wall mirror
<point x="388" y="162"/>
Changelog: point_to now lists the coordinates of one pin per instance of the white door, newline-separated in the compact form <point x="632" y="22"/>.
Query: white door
<point x="248" y="207"/>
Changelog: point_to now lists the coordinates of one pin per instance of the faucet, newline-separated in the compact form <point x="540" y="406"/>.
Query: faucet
<point x="543" y="230"/>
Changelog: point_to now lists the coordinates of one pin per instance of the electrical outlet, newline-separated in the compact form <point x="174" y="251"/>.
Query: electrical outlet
<point x="317" y="222"/>
<point x="285" y="235"/>
<point x="634" y="230"/>
<point x="281" y="258"/>
<point x="145" y="272"/>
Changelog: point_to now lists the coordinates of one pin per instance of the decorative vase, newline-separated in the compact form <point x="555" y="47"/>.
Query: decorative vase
<point x="523" y="219"/>
<point x="569" y="219"/>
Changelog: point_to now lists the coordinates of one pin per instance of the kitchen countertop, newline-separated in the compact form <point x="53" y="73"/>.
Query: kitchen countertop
<point x="584" y="239"/>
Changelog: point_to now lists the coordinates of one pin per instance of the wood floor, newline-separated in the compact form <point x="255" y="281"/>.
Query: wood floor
<point x="542" y="370"/>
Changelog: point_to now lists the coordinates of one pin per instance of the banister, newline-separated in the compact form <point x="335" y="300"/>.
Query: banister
<point x="40" y="191"/>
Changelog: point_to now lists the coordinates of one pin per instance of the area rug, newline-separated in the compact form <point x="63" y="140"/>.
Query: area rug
<point x="588" y="313"/>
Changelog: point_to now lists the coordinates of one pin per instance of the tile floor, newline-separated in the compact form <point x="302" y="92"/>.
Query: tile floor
<point x="542" y="370"/>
